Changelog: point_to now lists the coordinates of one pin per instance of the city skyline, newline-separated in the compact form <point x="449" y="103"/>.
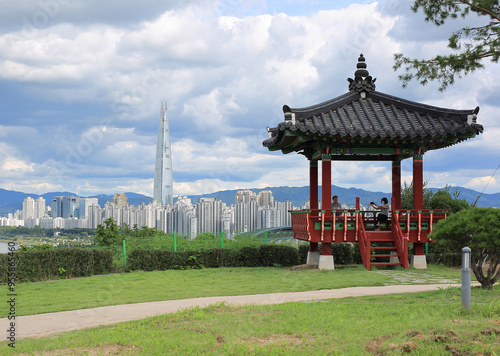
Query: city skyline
<point x="249" y="212"/>
<point x="79" y="109"/>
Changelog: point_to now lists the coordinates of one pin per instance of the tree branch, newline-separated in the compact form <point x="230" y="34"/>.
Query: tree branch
<point x="479" y="9"/>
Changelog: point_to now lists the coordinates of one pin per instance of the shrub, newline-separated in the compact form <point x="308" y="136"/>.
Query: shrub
<point x="249" y="256"/>
<point x="278" y="256"/>
<point x="39" y="265"/>
<point x="153" y="260"/>
<point x="303" y="250"/>
<point x="264" y="256"/>
<point x="343" y="253"/>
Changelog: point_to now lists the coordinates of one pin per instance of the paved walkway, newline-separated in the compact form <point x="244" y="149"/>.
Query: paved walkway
<point x="54" y="323"/>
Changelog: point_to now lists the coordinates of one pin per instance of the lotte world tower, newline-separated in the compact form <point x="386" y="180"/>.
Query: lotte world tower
<point x="163" y="184"/>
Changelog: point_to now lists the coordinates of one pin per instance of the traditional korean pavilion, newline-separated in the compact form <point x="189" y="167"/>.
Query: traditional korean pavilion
<point x="366" y="125"/>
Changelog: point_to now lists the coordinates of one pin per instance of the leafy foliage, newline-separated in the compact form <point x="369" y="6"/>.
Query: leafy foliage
<point x="442" y="199"/>
<point x="39" y="265"/>
<point x="40" y="247"/>
<point x="470" y="44"/>
<point x="407" y="196"/>
<point x="479" y="229"/>
<point x="107" y="235"/>
<point x="446" y="198"/>
<point x="264" y="256"/>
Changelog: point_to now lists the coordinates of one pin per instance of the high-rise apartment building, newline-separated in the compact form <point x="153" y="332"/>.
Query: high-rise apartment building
<point x="29" y="208"/>
<point x="163" y="183"/>
<point x="33" y="209"/>
<point x="39" y="207"/>
<point x="85" y="203"/>
<point x="245" y="196"/>
<point x="120" y="199"/>
<point x="265" y="198"/>
<point x="56" y="207"/>
<point x="70" y="207"/>
<point x="209" y="215"/>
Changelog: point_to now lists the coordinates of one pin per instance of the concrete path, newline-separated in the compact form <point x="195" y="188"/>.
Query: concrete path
<point x="40" y="325"/>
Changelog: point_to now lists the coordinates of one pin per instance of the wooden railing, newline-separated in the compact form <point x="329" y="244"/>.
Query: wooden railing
<point x="418" y="224"/>
<point x="322" y="225"/>
<point x="362" y="243"/>
<point x="401" y="241"/>
<point x="300" y="224"/>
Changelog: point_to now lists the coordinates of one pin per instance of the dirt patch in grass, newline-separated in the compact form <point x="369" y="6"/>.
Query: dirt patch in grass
<point x="416" y="335"/>
<point x="93" y="351"/>
<point x="279" y="339"/>
<point x="377" y="347"/>
<point x="491" y="331"/>
<point x="449" y="339"/>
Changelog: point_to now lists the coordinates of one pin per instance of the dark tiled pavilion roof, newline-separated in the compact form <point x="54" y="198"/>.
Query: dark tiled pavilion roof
<point x="364" y="124"/>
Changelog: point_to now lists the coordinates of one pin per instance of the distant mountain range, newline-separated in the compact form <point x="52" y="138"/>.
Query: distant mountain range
<point x="299" y="195"/>
<point x="10" y="201"/>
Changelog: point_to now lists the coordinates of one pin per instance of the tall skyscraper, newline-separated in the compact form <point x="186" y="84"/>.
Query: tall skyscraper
<point x="163" y="184"/>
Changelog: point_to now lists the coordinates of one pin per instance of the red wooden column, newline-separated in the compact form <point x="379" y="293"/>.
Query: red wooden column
<point x="326" y="194"/>
<point x="418" y="193"/>
<point x="396" y="184"/>
<point x="313" y="195"/>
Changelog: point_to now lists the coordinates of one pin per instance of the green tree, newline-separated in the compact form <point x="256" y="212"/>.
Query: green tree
<point x="107" y="234"/>
<point x="446" y="198"/>
<point x="39" y="247"/>
<point x="470" y="45"/>
<point x="407" y="196"/>
<point x="125" y="230"/>
<point x="479" y="229"/>
<point x="442" y="199"/>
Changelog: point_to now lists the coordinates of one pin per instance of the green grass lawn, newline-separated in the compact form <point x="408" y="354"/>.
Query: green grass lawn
<point x="137" y="287"/>
<point x="430" y="323"/>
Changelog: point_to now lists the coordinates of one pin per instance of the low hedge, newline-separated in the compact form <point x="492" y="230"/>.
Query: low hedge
<point x="40" y="265"/>
<point x="263" y="256"/>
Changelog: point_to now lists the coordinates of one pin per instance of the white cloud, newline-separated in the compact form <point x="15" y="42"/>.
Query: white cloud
<point x="88" y="90"/>
<point x="480" y="182"/>
<point x="15" y="165"/>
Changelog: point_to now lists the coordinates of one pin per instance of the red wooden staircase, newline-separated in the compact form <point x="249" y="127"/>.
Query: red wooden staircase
<point x="383" y="248"/>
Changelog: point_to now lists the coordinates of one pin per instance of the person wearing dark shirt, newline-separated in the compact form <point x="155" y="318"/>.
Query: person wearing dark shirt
<point x="384" y="211"/>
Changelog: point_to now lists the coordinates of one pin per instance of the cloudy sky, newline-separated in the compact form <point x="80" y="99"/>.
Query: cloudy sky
<point x="82" y="81"/>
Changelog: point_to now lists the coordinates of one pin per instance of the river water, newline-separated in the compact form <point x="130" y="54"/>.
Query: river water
<point x="4" y="247"/>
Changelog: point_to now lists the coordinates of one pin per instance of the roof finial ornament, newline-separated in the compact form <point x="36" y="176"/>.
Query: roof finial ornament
<point x="361" y="66"/>
<point x="362" y="82"/>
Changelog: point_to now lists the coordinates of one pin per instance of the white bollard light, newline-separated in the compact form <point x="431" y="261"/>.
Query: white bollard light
<point x="466" y="277"/>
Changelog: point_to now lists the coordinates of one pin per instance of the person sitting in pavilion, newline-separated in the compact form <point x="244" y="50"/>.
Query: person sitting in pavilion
<point x="384" y="211"/>
<point x="336" y="205"/>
